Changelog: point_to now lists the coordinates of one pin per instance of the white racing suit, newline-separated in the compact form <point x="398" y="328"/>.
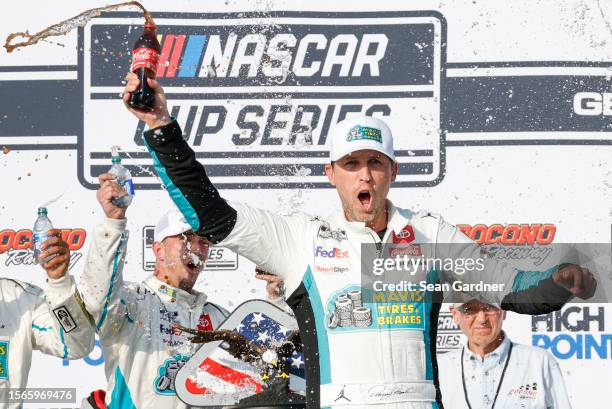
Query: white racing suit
<point x="53" y="322"/>
<point x="355" y="354"/>
<point x="367" y="360"/>
<point x="134" y="322"/>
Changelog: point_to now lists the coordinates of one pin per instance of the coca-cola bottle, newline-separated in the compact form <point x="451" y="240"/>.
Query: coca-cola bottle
<point x="145" y="55"/>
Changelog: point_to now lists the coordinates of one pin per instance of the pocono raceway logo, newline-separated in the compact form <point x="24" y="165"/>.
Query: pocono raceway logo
<point x="513" y="241"/>
<point x="574" y="332"/>
<point x="526" y="391"/>
<point x="16" y="246"/>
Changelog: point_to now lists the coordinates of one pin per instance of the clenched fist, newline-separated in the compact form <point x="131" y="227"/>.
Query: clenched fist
<point x="107" y="190"/>
<point x="159" y="116"/>
<point x="56" y="251"/>
<point x="577" y="280"/>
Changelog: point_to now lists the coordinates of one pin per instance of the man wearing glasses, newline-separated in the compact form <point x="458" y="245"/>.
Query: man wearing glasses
<point x="491" y="371"/>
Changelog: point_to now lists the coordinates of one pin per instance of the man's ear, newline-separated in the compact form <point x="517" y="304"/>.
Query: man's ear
<point x="158" y="251"/>
<point x="394" y="169"/>
<point x="455" y="314"/>
<point x="329" y="171"/>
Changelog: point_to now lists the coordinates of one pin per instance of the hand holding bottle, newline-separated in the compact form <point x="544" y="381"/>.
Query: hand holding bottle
<point x="159" y="115"/>
<point x="56" y="253"/>
<point x="105" y="194"/>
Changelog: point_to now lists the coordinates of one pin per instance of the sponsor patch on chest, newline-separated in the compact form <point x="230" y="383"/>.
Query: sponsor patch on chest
<point x="527" y="391"/>
<point x="4" y="351"/>
<point x="205" y="323"/>
<point x="166" y="375"/>
<point x="405" y="235"/>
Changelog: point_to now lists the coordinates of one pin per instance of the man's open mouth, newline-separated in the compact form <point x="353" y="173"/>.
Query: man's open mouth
<point x="193" y="263"/>
<point x="365" y="198"/>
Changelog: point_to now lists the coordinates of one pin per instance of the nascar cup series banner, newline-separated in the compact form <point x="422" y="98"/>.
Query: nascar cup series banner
<point x="501" y="113"/>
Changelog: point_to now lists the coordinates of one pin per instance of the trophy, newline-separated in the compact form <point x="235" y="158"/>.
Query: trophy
<point x="264" y="344"/>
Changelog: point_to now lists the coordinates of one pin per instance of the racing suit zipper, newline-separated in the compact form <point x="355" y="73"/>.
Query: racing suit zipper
<point x="377" y="242"/>
<point x="384" y="339"/>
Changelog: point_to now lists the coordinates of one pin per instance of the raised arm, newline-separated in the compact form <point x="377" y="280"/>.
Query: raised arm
<point x="60" y="324"/>
<point x="524" y="292"/>
<point x="102" y="279"/>
<point x="274" y="242"/>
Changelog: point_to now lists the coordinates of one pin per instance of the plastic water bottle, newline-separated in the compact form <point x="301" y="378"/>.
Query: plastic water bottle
<point x="124" y="179"/>
<point x="42" y="225"/>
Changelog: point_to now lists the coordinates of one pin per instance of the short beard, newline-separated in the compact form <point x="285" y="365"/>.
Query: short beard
<point x="186" y="285"/>
<point x="355" y="215"/>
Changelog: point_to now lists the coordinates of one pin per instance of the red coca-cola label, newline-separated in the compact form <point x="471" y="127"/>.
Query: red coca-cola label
<point x="145" y="58"/>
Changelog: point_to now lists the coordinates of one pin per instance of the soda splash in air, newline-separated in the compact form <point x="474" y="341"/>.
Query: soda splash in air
<point x="66" y="26"/>
<point x="51" y="201"/>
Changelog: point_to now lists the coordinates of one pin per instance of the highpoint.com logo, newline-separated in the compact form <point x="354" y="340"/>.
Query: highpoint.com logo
<point x="575" y="332"/>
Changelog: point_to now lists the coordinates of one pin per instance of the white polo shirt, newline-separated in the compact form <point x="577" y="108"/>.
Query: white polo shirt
<point x="532" y="379"/>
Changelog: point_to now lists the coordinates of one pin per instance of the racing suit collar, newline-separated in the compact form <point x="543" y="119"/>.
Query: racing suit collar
<point x="397" y="221"/>
<point x="500" y="352"/>
<point x="167" y="293"/>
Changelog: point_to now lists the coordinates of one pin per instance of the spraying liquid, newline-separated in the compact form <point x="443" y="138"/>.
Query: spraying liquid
<point x="124" y="179"/>
<point x="66" y="26"/>
<point x="41" y="226"/>
<point x="50" y="202"/>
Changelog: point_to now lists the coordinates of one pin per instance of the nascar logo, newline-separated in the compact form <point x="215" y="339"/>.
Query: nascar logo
<point x="239" y="55"/>
<point x="256" y="99"/>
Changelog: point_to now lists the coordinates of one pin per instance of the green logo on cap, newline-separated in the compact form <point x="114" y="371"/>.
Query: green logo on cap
<point x="358" y="133"/>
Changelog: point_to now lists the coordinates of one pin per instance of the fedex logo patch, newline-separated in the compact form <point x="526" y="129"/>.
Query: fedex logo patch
<point x="333" y="253"/>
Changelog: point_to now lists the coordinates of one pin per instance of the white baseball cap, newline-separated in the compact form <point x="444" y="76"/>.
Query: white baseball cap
<point x="357" y="133"/>
<point x="170" y="224"/>
<point x="457" y="298"/>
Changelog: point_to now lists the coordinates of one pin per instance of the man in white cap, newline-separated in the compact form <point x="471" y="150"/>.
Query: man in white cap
<point x="491" y="371"/>
<point x="357" y="353"/>
<point x="142" y="349"/>
<point x="52" y="321"/>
